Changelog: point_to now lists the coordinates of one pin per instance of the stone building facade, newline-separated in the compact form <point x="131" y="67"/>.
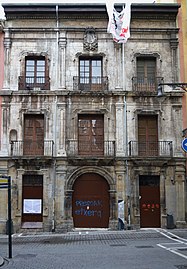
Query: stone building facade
<point x="183" y="55"/>
<point x="182" y="18"/>
<point x="82" y="127"/>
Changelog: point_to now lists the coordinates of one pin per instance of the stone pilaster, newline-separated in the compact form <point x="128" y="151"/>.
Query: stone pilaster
<point x="7" y="46"/>
<point x="118" y="53"/>
<point x="120" y="128"/>
<point x="62" y="59"/>
<point x="180" y="195"/>
<point x="68" y="204"/>
<point x="174" y="45"/>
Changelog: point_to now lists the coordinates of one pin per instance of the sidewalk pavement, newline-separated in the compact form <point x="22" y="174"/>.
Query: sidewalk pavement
<point x="75" y="232"/>
<point x="99" y="233"/>
<point x="89" y="234"/>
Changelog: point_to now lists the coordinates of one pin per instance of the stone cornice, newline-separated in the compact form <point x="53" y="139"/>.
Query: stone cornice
<point x="82" y="29"/>
<point x="87" y="11"/>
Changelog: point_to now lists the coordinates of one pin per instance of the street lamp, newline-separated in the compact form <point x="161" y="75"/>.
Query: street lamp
<point x="182" y="86"/>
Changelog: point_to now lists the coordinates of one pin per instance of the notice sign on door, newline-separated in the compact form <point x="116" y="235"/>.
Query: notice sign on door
<point x="32" y="206"/>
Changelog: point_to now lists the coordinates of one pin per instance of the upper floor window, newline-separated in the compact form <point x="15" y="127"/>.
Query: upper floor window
<point x="146" y="68"/>
<point x="91" y="75"/>
<point x="147" y="135"/>
<point x="90" y="71"/>
<point x="33" y="135"/>
<point x="91" y="135"/>
<point x="146" y="79"/>
<point x="35" y="70"/>
<point x="33" y="142"/>
<point x="35" y="74"/>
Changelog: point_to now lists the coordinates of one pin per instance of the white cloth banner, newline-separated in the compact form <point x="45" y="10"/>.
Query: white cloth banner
<point x="119" y="22"/>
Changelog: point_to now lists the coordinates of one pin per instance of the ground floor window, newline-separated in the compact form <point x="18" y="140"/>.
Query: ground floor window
<point x="32" y="198"/>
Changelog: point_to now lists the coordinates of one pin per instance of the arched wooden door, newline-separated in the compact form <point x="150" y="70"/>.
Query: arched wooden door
<point x="90" y="204"/>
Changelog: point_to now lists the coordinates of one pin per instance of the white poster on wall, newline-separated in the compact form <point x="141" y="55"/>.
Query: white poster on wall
<point x="121" y="213"/>
<point x="32" y="206"/>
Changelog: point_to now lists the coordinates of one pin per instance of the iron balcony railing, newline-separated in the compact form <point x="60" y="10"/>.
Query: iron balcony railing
<point x="90" y="83"/>
<point x="34" y="83"/>
<point x="76" y="148"/>
<point x="151" y="149"/>
<point x="146" y="84"/>
<point x="32" y="148"/>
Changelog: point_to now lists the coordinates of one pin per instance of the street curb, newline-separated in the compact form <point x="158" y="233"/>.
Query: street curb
<point x="1" y="261"/>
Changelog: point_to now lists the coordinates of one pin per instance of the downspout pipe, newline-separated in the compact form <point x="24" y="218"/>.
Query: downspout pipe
<point x="126" y="140"/>
<point x="55" y="124"/>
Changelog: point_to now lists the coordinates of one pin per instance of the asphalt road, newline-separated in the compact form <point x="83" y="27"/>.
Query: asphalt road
<point x="141" y="249"/>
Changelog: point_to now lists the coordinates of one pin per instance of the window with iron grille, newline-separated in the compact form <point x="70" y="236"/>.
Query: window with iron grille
<point x="35" y="75"/>
<point x="35" y="71"/>
<point x="91" y="74"/>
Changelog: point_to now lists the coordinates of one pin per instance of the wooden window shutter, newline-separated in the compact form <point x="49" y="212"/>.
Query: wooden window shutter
<point x="147" y="135"/>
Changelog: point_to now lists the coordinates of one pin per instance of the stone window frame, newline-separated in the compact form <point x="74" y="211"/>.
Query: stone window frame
<point x="35" y="55"/>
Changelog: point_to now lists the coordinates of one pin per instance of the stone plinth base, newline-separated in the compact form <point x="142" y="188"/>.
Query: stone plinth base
<point x="181" y="224"/>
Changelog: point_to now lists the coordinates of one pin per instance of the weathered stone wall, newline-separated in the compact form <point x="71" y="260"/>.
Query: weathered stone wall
<point x="63" y="43"/>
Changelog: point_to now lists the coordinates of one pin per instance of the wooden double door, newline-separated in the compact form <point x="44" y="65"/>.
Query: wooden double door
<point x="90" y="202"/>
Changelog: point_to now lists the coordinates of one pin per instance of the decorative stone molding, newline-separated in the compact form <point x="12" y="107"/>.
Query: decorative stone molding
<point x="7" y="43"/>
<point x="80" y="171"/>
<point x="62" y="42"/>
<point x="79" y="54"/>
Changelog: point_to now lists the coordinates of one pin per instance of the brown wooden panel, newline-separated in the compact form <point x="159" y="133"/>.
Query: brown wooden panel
<point x="90" y="203"/>
<point x="91" y="135"/>
<point x="33" y="135"/>
<point x="147" y="135"/>
<point x="150" y="203"/>
<point x="146" y="67"/>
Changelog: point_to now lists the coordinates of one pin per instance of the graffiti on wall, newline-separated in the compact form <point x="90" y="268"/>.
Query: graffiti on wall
<point x="83" y="208"/>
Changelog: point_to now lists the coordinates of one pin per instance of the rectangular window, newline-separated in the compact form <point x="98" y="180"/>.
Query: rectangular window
<point x="32" y="198"/>
<point x="147" y="135"/>
<point x="146" y="67"/>
<point x="90" y="74"/>
<point x="35" y="71"/>
<point x="146" y="74"/>
<point x="35" y="75"/>
<point x="33" y="135"/>
<point x="91" y="135"/>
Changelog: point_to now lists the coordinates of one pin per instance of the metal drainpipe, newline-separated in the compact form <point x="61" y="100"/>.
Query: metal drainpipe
<point x="55" y="124"/>
<point x="126" y="139"/>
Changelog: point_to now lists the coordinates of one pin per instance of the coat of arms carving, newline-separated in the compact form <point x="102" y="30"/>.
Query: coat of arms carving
<point x="90" y="39"/>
